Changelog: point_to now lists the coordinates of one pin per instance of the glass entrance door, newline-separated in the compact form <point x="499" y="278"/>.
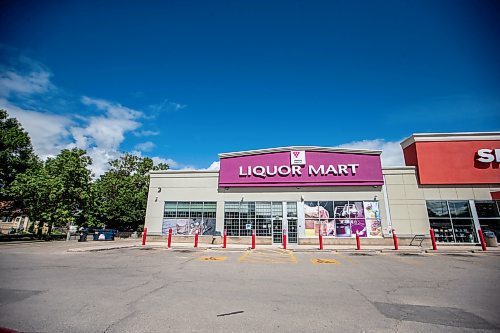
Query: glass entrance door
<point x="277" y="231"/>
<point x="292" y="231"/>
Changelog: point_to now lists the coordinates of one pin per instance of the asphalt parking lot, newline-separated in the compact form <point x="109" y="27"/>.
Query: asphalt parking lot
<point x="44" y="288"/>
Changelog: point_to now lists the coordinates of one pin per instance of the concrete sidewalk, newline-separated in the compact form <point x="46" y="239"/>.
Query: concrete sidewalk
<point x="121" y="244"/>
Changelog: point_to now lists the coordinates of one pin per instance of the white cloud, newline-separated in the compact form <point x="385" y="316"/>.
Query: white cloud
<point x="392" y="154"/>
<point x="49" y="132"/>
<point x="103" y="131"/>
<point x="146" y="133"/>
<point x="26" y="88"/>
<point x="114" y="110"/>
<point x="33" y="83"/>
<point x="157" y="160"/>
<point x="171" y="163"/>
<point x="101" y="158"/>
<point x="145" y="146"/>
<point x="107" y="131"/>
<point x="214" y="166"/>
<point x="167" y="106"/>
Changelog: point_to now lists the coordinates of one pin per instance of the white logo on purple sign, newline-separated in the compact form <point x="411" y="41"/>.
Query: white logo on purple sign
<point x="298" y="157"/>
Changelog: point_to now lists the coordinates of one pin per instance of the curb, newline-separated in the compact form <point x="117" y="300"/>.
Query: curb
<point x="96" y="249"/>
<point x="416" y="251"/>
<point x="493" y="253"/>
<point x="296" y="250"/>
<point x="359" y="252"/>
<point x="450" y="251"/>
<point x="220" y="249"/>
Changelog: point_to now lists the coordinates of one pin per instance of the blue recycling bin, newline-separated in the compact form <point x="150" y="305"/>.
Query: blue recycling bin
<point x="109" y="234"/>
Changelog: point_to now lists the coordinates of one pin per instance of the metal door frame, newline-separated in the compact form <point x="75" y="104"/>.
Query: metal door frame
<point x="280" y="231"/>
<point x="296" y="220"/>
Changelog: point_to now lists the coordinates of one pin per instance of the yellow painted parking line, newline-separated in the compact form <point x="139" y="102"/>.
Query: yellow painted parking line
<point x="212" y="258"/>
<point x="320" y="261"/>
<point x="244" y="255"/>
<point x="268" y="256"/>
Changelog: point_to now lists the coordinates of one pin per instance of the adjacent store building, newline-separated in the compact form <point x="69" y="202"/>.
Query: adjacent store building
<point x="450" y="183"/>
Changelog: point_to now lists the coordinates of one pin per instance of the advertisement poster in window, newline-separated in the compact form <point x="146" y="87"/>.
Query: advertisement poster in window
<point x="208" y="227"/>
<point x="349" y="219"/>
<point x="373" y="221"/>
<point x="358" y="226"/>
<point x="343" y="227"/>
<point x="167" y="224"/>
<point x="317" y="215"/>
<point x="342" y="218"/>
<point x="189" y="226"/>
<point x="194" y="225"/>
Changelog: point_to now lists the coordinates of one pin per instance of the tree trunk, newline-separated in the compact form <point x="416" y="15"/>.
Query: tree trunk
<point x="39" y="231"/>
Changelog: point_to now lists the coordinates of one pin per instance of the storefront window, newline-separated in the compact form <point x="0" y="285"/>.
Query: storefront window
<point x="209" y="210"/>
<point x="185" y="218"/>
<point x="464" y="230"/>
<point x="443" y="230"/>
<point x="291" y="209"/>
<point x="170" y="209"/>
<point x="459" y="208"/>
<point x="489" y="216"/>
<point x="277" y="210"/>
<point x="240" y="218"/>
<point x="451" y="221"/>
<point x="437" y="209"/>
<point x="232" y="218"/>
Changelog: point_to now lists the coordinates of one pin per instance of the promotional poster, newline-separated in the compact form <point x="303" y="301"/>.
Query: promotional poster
<point x="189" y="226"/>
<point x="342" y="218"/>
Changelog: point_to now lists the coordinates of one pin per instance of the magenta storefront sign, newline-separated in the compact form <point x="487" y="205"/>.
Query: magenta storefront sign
<point x="299" y="168"/>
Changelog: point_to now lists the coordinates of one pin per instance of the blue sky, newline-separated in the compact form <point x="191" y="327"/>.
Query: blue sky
<point x="185" y="80"/>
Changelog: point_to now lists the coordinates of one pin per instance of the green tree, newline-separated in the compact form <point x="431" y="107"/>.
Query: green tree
<point x="71" y="168"/>
<point x="58" y="191"/>
<point x="16" y="153"/>
<point x="121" y="193"/>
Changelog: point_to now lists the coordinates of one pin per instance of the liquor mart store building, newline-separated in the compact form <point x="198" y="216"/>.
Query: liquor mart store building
<point x="304" y="191"/>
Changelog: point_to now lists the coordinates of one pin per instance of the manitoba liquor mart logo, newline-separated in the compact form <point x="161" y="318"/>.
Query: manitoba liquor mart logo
<point x="298" y="157"/>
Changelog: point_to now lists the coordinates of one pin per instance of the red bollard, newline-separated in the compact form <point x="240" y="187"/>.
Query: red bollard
<point x="320" y="241"/>
<point x="144" y="234"/>
<point x="395" y="239"/>
<point x="169" y="242"/>
<point x="433" y="240"/>
<point x="358" y="243"/>
<point x="196" y="238"/>
<point x="481" y="238"/>
<point x="253" y="239"/>
<point x="284" y="239"/>
<point x="224" y="244"/>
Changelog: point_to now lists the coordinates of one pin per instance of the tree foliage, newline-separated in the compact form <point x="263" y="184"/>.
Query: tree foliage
<point x="61" y="191"/>
<point x="16" y="152"/>
<point x="121" y="193"/>
<point x="58" y="191"/>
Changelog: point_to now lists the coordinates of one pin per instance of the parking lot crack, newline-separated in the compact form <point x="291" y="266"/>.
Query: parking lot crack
<point x="360" y="293"/>
<point x="129" y="315"/>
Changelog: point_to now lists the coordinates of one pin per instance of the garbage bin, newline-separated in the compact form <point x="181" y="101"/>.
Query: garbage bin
<point x="109" y="234"/>
<point x="83" y="236"/>
<point x="490" y="238"/>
